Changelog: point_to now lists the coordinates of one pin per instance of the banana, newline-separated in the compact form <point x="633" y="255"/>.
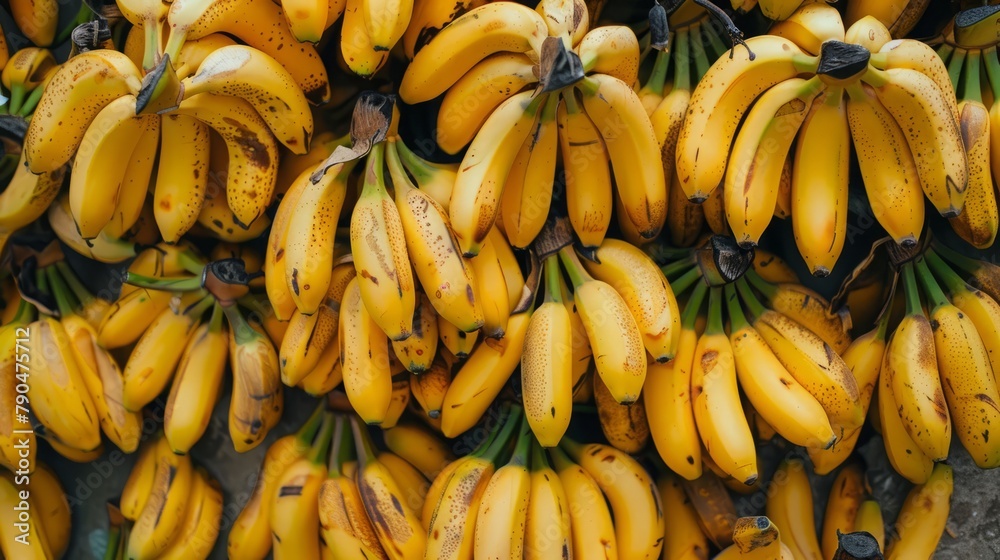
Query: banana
<point x="685" y="538"/>
<point x="356" y="47"/>
<point x="250" y="534"/>
<point x="163" y="513"/>
<point x="17" y="450"/>
<point x="631" y="493"/>
<point x="759" y="152"/>
<point x="259" y="79"/>
<point x="645" y="291"/>
<point x="95" y="190"/>
<point x="547" y="524"/>
<point x="588" y="178"/>
<point x="491" y="288"/>
<point x="181" y="189"/>
<point x="386" y="21"/>
<point x="668" y="399"/>
<point x="868" y="32"/>
<point x="612" y="331"/>
<point x="593" y="533"/>
<point x="527" y="192"/>
<point x="130" y="315"/>
<point x="904" y="454"/>
<point x="430" y="386"/>
<point x="139" y="483"/>
<point x="279" y="293"/>
<point x="410" y="480"/>
<point x="154" y="358"/>
<point x="470" y="101"/>
<point x="429" y="18"/>
<point x="912" y="368"/>
<point x="217" y="219"/>
<point x="869" y="519"/>
<point x="294" y="515"/>
<point x="810" y="25"/>
<point x="399" y="398"/>
<point x="899" y="16"/>
<point x="978" y="222"/>
<point x="808" y="308"/>
<point x="546" y="364"/>
<point x="775" y="394"/>
<point x="196" y="537"/>
<point x="326" y="375"/>
<point x="310" y="246"/>
<point x="631" y="142"/>
<point x="396" y="524"/>
<point x="777" y="10"/>
<point x="196" y="384"/>
<point x="253" y="153"/>
<point x="921" y="521"/>
<point x="479" y="183"/>
<point x="37" y="20"/>
<point x="418" y="351"/>
<point x="446" y="277"/>
<point x="610" y="49"/>
<point x="257" y="400"/>
<point x="135" y="184"/>
<point x="842" y="507"/>
<point x="101" y="248"/>
<point x="27" y="197"/>
<point x="421" y="448"/>
<point x="624" y="425"/>
<point x="459" y="343"/>
<point x="715" y="397"/>
<point x="929" y="121"/>
<point x="380" y="253"/>
<point x="790" y="508"/>
<point x="364" y="357"/>
<point x="436" y="179"/>
<point x="37" y="546"/>
<point x="309" y="336"/>
<point x="467" y="40"/>
<point x="80" y="89"/>
<point x="51" y="508"/>
<point x="307" y="19"/>
<point x="887" y="166"/>
<point x="966" y="374"/>
<point x="501" y="522"/>
<point x="718" y="103"/>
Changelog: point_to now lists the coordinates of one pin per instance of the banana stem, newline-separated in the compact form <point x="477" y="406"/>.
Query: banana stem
<point x="523" y="445"/>
<point x="320" y="449"/>
<point x="992" y="70"/>
<point x="955" y="67"/>
<point x="682" y="70"/>
<point x="968" y="264"/>
<point x="883" y="324"/>
<point x="569" y="96"/>
<point x="340" y="434"/>
<point x="171" y="284"/>
<point x="16" y="98"/>
<point x="715" y="324"/>
<point x="111" y="551"/>
<point x="374" y="170"/>
<point x="677" y="267"/>
<point x="400" y="180"/>
<point x="307" y="432"/>
<point x="416" y="165"/>
<point x="42" y="280"/>
<point x="931" y="287"/>
<point x="690" y="315"/>
<point x="718" y="47"/>
<point x="749" y="298"/>
<point x="553" y="291"/>
<point x="366" y="450"/>
<point x="243" y="333"/>
<point x="763" y="286"/>
<point x="498" y="445"/>
<point x="152" y="37"/>
<point x="577" y="275"/>
<point x="658" y="77"/>
<point x="737" y="320"/>
<point x="82" y="294"/>
<point x="561" y="460"/>
<point x="25" y="313"/>
<point x="215" y="322"/>
<point x="32" y="101"/>
<point x="175" y="40"/>
<point x="538" y="459"/>
<point x="701" y="62"/>
<point x="191" y="262"/>
<point x="572" y="448"/>
<point x="952" y="281"/>
<point x="82" y="16"/>
<point x="59" y="290"/>
<point x="910" y="291"/>
<point x="680" y="285"/>
<point x="944" y="51"/>
<point x="971" y="89"/>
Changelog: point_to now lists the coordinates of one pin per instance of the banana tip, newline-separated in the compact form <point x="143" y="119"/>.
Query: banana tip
<point x="821" y="272"/>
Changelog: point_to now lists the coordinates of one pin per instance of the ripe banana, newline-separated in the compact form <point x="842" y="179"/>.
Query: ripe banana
<point x="842" y="507"/>
<point x="163" y="513"/>
<point x="257" y="400"/>
<point x="921" y="521"/>
<point x="790" y="508"/>
<point x="527" y="191"/>
<point x="547" y="524"/>
<point x="364" y="357"/>
<point x="588" y="177"/>
<point x="501" y="522"/>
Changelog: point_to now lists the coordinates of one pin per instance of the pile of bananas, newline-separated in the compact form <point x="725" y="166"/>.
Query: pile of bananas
<point x="522" y="258"/>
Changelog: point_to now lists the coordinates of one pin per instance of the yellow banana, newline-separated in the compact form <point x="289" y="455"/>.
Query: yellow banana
<point x="624" y="425"/>
<point x="547" y="524"/>
<point x="27" y="196"/>
<point x="921" y="522"/>
<point x="845" y="499"/>
<point x="588" y="177"/>
<point x="501" y="522"/>
<point x="904" y="454"/>
<point x="356" y="47"/>
<point x="978" y="222"/>
<point x="809" y="309"/>
<point x="279" y="293"/>
<point x="869" y="519"/>
<point x="430" y="386"/>
<point x="18" y="539"/>
<point x="364" y="357"/>
<point x="684" y="539"/>
<point x="811" y="25"/>
<point x="436" y="179"/>
<point x="790" y="508"/>
<point x="899" y="16"/>
<point x="429" y="18"/>
<point x="51" y="509"/>
<point x="257" y="400"/>
<point x="163" y="513"/>
<point x="612" y="50"/>
<point x="868" y="32"/>
<point x="139" y="484"/>
<point x="180" y="189"/>
<point x="136" y="179"/>
<point x="307" y="19"/>
<point x="419" y="447"/>
<point x="491" y="287"/>
<point x="17" y="450"/>
<point x="196" y="537"/>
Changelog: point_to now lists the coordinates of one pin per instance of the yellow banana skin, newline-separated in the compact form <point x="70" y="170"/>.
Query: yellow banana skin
<point x="631" y="493"/>
<point x="810" y="25"/>
<point x="868" y="32"/>
<point x="475" y="198"/>
<point x="48" y="498"/>
<point x="470" y="101"/>
<point x="80" y="89"/>
<point x="922" y="519"/>
<point x="446" y="277"/>
<point x="468" y="39"/>
<point x="611" y="50"/>
<point x="163" y="513"/>
<point x="887" y="166"/>
<point x="669" y="410"/>
<point x="11" y="457"/>
<point x="345" y="528"/>
<point x="811" y="310"/>
<point x="928" y="117"/>
<point x="593" y="533"/>
<point x="309" y="337"/>
<point x="869" y="519"/>
<point x="429" y="18"/>
<point x="790" y="508"/>
<point x="501" y="522"/>
<point x="645" y="291"/>
<point x="547" y="524"/>
<point x="195" y="388"/>
<point x="27" y="196"/>
<point x="546" y="367"/>
<point x="898" y="17"/>
<point x="717" y="105"/>
<point x="38" y="546"/>
<point x="624" y="425"/>
<point x="197" y="536"/>
<point x="180" y="189"/>
<point x="364" y="357"/>
<point x="978" y="222"/>
<point x="139" y="484"/>
<point x="418" y="351"/>
<point x="430" y="387"/>
<point x="527" y="192"/>
<point x="295" y="511"/>
<point x="127" y="216"/>
<point x="685" y="538"/>
<point x="631" y="142"/>
<point x="380" y="254"/>
<point x="491" y="287"/>
<point x="279" y="293"/>
<point x="421" y="448"/>
<point x="588" y="176"/>
<point x="842" y="507"/>
<point x="904" y="454"/>
<point x="257" y="400"/>
<point x="244" y="72"/>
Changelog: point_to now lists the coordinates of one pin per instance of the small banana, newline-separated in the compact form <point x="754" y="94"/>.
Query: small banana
<point x="163" y="513"/>
<point x="547" y="524"/>
<point x="921" y="521"/>
<point x="790" y="508"/>
<point x="501" y="522"/>
<point x="845" y="499"/>
<point x="257" y="400"/>
<point x="364" y="357"/>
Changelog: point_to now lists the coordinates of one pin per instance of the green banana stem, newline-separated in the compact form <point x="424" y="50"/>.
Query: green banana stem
<point x="215" y="322"/>
<point x="968" y="264"/>
<point x="737" y="319"/>
<point x="25" y="313"/>
<point x="61" y="292"/>
<point x="572" y="107"/>
<point x="171" y="284"/>
<point x="677" y="267"/>
<point x="701" y="62"/>
<point x="340" y="434"/>
<point x="497" y="447"/>
<point x="365" y="447"/>
<point x="944" y="51"/>
<point x="320" y="449"/>
<point x="658" y="78"/>
<point x="883" y="325"/>
<point x="577" y="274"/>
<point x="874" y="77"/>
<point x="952" y="281"/>
<point x="992" y="70"/>
<point x="715" y="324"/>
<point x="42" y="280"/>
<point x="400" y="180"/>
<point x="931" y="287"/>
<point x="16" y="98"/>
<point x="32" y="101"/>
<point x="538" y="459"/>
<point x="714" y="40"/>
<point x="955" y="67"/>
<point x="191" y="262"/>
<point x="680" y="285"/>
<point x="82" y="294"/>
<point x="763" y="286"/>
<point x="307" y="432"/>
<point x="553" y="290"/>
<point x="523" y="445"/>
<point x="682" y="71"/>
<point x="754" y="305"/>
<point x="561" y="460"/>
<point x="572" y="448"/>
<point x="375" y="171"/>
<point x="83" y="15"/>
<point x="689" y="317"/>
<point x="416" y="165"/>
<point x="243" y="333"/>
<point x="910" y="291"/>
<point x="971" y="89"/>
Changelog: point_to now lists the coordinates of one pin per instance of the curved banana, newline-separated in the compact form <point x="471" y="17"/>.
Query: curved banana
<point x="51" y="509"/>
<point x="869" y="519"/>
<point x="257" y="400"/>
<point x="490" y="288"/>
<point x="279" y="293"/>
<point x="196" y="384"/>
<point x="899" y="16"/>
<point x="790" y="508"/>
<point x="624" y="425"/>
<point x="588" y="176"/>
<point x="527" y="192"/>
<point x="27" y="196"/>
<point x="979" y="221"/>
<point x="868" y="32"/>
<point x="308" y="336"/>
<point x="684" y="538"/>
<point x="810" y="25"/>
<point x="163" y="513"/>
<point x="809" y="309"/>
<point x="611" y="50"/>
<point x="135" y="183"/>
<point x="501" y="526"/>
<point x="364" y="357"/>
<point x="922" y="519"/>
<point x="842" y="507"/>
<point x="904" y="454"/>
<point x="429" y="18"/>
<point x="197" y="536"/>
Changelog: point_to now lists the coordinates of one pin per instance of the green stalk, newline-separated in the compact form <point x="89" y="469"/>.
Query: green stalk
<point x="715" y="324"/>
<point x="171" y="284"/>
<point x="572" y="448"/>
<point x="16" y="98"/>
<point x="320" y="449"/>
<point x="561" y="460"/>
<point x="968" y="264"/>
<point x="718" y="47"/>
<point x="538" y="459"/>
<point x="910" y="291"/>
<point x="737" y="320"/>
<point x="680" y="285"/>
<point x="577" y="274"/>
<point x="215" y="322"/>
<point x="572" y="107"/>
<point x="952" y="281"/>
<point x="944" y="51"/>
<point x="992" y="69"/>
<point x="677" y="267"/>
<point x="971" y="89"/>
<point x="749" y="298"/>
<point x="32" y="101"/>
<point x="497" y="447"/>
<point x="114" y="533"/>
<point x="931" y="287"/>
<point x="689" y="317"/>
<point x="82" y="16"/>
<point x="341" y="435"/>
<point x="763" y="286"/>
<point x="701" y="62"/>
<point x="366" y="450"/>
<point x="82" y="294"/>
<point x="874" y="77"/>
<point x="25" y="313"/>
<point x="883" y="325"/>
<point x="307" y="432"/>
<point x="523" y="445"/>
<point x="243" y="333"/>
<point x="553" y="289"/>
<point x="375" y="171"/>
<point x="191" y="262"/>
<point x="955" y="67"/>
<point x="42" y="281"/>
<point x="658" y="77"/>
<point x="59" y="290"/>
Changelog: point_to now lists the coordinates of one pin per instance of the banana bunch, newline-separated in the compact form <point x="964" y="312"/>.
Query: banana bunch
<point x="48" y="532"/>
<point x="812" y="84"/>
<point x="482" y="63"/>
<point x="176" y="346"/>
<point x="970" y="55"/>
<point x="173" y="508"/>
